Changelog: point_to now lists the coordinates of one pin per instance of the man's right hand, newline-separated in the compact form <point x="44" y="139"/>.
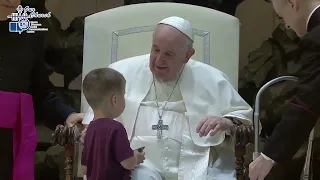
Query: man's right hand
<point x="140" y="157"/>
<point x="260" y="168"/>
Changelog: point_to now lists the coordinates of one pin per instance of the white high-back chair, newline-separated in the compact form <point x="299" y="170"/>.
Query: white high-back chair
<point x="124" y="32"/>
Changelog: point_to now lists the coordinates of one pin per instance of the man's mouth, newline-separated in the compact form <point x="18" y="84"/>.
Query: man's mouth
<point x="161" y="67"/>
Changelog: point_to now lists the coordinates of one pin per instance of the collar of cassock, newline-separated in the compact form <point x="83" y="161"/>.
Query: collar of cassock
<point x="314" y="19"/>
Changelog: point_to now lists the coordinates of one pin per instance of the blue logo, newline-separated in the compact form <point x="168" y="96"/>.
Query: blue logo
<point x="20" y="26"/>
<point x="22" y="20"/>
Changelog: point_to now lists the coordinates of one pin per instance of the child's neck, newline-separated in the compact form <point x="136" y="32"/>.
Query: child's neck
<point x="99" y="114"/>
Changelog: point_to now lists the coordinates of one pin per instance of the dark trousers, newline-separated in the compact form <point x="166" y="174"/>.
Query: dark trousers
<point x="6" y="153"/>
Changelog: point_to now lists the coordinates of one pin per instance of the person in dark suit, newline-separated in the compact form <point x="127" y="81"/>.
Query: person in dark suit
<point x="302" y="113"/>
<point x="24" y="87"/>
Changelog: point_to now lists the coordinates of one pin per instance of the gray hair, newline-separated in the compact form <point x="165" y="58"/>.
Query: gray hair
<point x="188" y="43"/>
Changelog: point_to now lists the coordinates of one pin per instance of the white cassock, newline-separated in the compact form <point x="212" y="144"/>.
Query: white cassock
<point x="181" y="154"/>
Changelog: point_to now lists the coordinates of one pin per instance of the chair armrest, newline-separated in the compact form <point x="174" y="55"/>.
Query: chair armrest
<point x="243" y="136"/>
<point x="67" y="137"/>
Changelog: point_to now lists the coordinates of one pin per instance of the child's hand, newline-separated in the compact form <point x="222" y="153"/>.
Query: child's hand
<point x="140" y="156"/>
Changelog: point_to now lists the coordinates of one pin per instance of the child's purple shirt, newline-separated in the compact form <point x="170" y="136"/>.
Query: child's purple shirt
<point x="105" y="145"/>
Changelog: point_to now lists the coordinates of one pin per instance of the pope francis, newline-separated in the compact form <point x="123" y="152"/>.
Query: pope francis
<point x="182" y="111"/>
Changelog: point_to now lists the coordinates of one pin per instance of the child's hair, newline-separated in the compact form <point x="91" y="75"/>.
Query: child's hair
<point x="100" y="83"/>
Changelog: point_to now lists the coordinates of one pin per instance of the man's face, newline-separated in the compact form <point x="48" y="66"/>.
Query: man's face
<point x="290" y="12"/>
<point x="7" y="7"/>
<point x="169" y="52"/>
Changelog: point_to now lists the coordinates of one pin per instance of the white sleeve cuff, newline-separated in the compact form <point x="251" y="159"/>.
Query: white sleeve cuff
<point x="88" y="117"/>
<point x="267" y="158"/>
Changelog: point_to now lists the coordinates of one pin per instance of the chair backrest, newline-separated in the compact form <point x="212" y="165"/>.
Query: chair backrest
<point x="126" y="31"/>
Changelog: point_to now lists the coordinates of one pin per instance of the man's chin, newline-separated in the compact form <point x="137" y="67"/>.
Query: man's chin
<point x="161" y="73"/>
<point x="158" y="75"/>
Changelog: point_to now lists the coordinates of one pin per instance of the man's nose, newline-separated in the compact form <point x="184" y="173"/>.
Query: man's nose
<point x="160" y="58"/>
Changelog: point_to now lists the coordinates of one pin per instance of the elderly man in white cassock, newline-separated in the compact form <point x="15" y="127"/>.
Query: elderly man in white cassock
<point x="182" y="111"/>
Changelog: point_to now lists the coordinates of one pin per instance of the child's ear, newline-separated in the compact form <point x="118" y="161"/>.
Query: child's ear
<point x="114" y="99"/>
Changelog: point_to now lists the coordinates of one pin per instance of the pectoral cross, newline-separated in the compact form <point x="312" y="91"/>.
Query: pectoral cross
<point x="159" y="127"/>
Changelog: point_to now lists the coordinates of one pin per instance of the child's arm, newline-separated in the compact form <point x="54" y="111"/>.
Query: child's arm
<point x="129" y="163"/>
<point x="122" y="150"/>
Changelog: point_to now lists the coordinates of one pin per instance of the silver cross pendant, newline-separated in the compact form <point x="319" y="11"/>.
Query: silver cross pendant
<point x="159" y="127"/>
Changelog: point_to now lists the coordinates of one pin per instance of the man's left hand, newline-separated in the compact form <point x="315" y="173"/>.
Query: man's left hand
<point x="213" y="124"/>
<point x="74" y="118"/>
<point x="259" y="168"/>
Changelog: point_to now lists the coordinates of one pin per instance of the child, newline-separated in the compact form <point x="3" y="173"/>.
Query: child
<point x="107" y="154"/>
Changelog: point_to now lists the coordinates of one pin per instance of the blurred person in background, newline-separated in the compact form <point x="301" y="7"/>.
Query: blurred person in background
<point x="302" y="113"/>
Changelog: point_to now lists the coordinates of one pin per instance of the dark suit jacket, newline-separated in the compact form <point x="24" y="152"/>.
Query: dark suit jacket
<point x="301" y="115"/>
